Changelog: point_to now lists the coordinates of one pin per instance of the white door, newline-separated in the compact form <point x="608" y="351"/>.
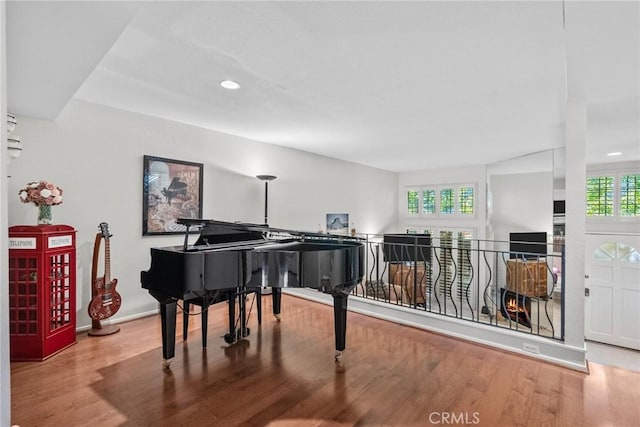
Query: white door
<point x="613" y="282"/>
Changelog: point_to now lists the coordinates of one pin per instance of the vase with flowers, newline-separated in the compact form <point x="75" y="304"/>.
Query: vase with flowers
<point x="43" y="194"/>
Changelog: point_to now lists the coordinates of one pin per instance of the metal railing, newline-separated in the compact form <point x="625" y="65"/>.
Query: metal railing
<point x="473" y="280"/>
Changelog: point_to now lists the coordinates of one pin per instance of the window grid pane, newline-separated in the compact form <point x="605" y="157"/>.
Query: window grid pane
<point x="600" y="196"/>
<point x="412" y="202"/>
<point x="429" y="201"/>
<point x="466" y="200"/>
<point x="630" y="195"/>
<point x="446" y="201"/>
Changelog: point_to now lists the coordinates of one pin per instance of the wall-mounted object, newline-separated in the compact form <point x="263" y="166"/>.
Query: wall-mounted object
<point x="11" y="123"/>
<point x="528" y="245"/>
<point x="171" y="189"/>
<point x="338" y="223"/>
<point x="14" y="146"/>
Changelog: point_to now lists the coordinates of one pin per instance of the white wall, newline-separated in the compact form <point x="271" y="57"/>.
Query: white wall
<point x="521" y="194"/>
<point x="95" y="154"/>
<point x="521" y="203"/>
<point x="5" y="383"/>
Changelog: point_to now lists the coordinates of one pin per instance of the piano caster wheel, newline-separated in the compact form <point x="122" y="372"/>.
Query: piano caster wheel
<point x="277" y="316"/>
<point x="229" y="339"/>
<point x="240" y="334"/>
<point x="338" y="357"/>
<point x="166" y="364"/>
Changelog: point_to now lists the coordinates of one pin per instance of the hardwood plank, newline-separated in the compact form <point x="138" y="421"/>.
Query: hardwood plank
<point x="284" y="374"/>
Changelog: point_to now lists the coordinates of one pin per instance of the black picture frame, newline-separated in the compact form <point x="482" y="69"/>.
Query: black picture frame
<point x="171" y="189"/>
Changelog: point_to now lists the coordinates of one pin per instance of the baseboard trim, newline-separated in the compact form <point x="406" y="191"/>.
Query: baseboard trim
<point x="85" y="328"/>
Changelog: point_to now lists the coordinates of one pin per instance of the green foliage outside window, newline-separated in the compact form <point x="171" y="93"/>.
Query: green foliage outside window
<point x="429" y="201"/>
<point x="600" y="196"/>
<point x="630" y="195"/>
<point x="446" y="201"/>
<point x="413" y="200"/>
<point x="466" y="200"/>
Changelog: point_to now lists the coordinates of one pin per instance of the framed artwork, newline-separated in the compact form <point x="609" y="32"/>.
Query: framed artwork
<point x="171" y="189"/>
<point x="338" y="223"/>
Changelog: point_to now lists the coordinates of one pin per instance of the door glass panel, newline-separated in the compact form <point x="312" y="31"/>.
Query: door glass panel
<point x="606" y="252"/>
<point x="628" y="253"/>
<point x="616" y="252"/>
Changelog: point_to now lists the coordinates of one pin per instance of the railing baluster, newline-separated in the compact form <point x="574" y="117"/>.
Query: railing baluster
<point x="476" y="281"/>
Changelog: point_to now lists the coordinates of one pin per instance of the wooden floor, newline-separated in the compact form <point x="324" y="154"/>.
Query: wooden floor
<point x="285" y="375"/>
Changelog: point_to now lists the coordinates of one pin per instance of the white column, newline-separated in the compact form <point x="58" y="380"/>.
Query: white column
<point x="573" y="287"/>
<point x="576" y="175"/>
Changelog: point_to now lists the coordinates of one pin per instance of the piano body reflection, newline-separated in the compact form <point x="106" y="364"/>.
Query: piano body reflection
<point x="230" y="259"/>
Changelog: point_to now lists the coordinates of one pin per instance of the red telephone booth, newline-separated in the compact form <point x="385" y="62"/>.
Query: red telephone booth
<point x="42" y="290"/>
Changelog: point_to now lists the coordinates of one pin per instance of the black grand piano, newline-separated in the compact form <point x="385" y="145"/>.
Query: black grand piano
<point x="228" y="260"/>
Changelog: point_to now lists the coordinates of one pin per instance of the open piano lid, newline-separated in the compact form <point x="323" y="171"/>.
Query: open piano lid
<point x="221" y="231"/>
<point x="212" y="231"/>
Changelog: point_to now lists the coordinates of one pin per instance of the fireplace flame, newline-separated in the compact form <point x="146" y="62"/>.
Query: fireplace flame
<point x="512" y="306"/>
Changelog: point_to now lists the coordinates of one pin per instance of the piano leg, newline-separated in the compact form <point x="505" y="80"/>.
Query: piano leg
<point x="340" y="322"/>
<point x="259" y="305"/>
<point x="231" y="336"/>
<point x="276" y="297"/>
<point x="185" y="319"/>
<point x="168" y="319"/>
<point x="242" y="308"/>
<point x="205" y="320"/>
<point x="204" y="303"/>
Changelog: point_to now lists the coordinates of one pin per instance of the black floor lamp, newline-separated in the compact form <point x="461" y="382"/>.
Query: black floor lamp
<point x="266" y="179"/>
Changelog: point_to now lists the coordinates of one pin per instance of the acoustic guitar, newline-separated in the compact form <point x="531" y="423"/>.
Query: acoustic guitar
<point x="106" y="301"/>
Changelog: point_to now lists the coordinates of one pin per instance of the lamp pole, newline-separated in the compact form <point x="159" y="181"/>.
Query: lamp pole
<point x="266" y="179"/>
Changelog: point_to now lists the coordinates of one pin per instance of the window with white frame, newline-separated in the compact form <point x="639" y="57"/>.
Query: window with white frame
<point x="441" y="201"/>
<point x="613" y="196"/>
<point x="447" y="201"/>
<point x="428" y="201"/>
<point x="450" y="243"/>
<point x="413" y="202"/>
<point x="630" y="195"/>
<point x="437" y="232"/>
<point x="466" y="200"/>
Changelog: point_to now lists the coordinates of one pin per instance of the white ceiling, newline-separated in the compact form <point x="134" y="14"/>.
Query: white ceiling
<point x="395" y="85"/>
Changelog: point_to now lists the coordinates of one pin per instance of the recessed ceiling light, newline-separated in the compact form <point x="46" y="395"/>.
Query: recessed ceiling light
<point x="615" y="153"/>
<point x="229" y="84"/>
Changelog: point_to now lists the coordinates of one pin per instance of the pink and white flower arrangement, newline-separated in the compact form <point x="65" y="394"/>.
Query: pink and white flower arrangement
<point x="41" y="193"/>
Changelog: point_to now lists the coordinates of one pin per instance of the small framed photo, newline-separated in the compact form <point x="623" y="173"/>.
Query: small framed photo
<point x="338" y="223"/>
<point x="171" y="189"/>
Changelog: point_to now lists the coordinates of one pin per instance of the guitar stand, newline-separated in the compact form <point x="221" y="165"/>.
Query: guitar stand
<point x="97" y="329"/>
